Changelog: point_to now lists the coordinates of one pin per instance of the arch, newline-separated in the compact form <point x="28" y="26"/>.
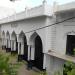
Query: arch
<point x="8" y="49"/>
<point x="7" y="35"/>
<point x="32" y="38"/>
<point x="13" y="36"/>
<point x="23" y="48"/>
<point x="36" y="50"/>
<point x="3" y="34"/>
<point x="14" y="43"/>
<point x="69" y="33"/>
<point x="22" y="36"/>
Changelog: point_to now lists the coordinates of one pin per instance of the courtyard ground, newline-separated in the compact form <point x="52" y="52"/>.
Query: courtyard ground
<point x="22" y="70"/>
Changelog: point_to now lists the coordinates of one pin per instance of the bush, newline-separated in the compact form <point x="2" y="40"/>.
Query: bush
<point x="69" y="68"/>
<point x="7" y="68"/>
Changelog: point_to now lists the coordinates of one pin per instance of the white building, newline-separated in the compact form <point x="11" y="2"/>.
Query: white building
<point x="43" y="34"/>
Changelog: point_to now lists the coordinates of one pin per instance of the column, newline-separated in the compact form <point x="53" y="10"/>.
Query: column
<point x="29" y="56"/>
<point x="2" y="43"/>
<point x="8" y="43"/>
<point x="44" y="61"/>
<point x="22" y="48"/>
<point x="5" y="44"/>
<point x="11" y="45"/>
<point x="14" y="45"/>
<point x="18" y="48"/>
<point x="32" y="52"/>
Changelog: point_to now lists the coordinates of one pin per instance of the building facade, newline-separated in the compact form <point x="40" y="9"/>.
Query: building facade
<point x="43" y="35"/>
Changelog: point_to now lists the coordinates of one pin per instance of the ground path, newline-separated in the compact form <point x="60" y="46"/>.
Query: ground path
<point x="23" y="68"/>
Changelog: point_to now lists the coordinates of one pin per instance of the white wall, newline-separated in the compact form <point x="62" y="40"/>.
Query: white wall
<point x="62" y="30"/>
<point x="26" y="26"/>
<point x="57" y="37"/>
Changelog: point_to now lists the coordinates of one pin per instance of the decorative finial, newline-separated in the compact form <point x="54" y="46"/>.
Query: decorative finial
<point x="26" y="8"/>
<point x="44" y="2"/>
<point x="55" y="6"/>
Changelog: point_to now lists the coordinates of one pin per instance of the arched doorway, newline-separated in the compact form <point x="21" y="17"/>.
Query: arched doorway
<point x="8" y="49"/>
<point x="14" y="43"/>
<point x="3" y="40"/>
<point x="38" y="53"/>
<point x="23" y="48"/>
<point x="36" y="50"/>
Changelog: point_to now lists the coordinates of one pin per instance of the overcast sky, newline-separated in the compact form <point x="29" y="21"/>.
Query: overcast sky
<point x="20" y="5"/>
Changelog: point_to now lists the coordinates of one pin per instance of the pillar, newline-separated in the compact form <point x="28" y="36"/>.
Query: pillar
<point x="6" y="45"/>
<point x="2" y="43"/>
<point x="18" y="48"/>
<point x="19" y="52"/>
<point x="29" y="57"/>
<point x="11" y="45"/>
<point x="44" y="62"/>
<point x="32" y="52"/>
<point x="14" y="45"/>
<point x="22" y="48"/>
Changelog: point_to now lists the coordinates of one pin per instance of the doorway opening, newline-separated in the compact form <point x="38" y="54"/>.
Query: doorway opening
<point x="38" y="62"/>
<point x="25" y="49"/>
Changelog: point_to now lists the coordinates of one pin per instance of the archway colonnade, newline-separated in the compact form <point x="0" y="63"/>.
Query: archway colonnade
<point x="17" y="43"/>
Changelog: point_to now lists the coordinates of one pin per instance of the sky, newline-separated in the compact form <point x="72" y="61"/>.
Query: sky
<point x="19" y="5"/>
